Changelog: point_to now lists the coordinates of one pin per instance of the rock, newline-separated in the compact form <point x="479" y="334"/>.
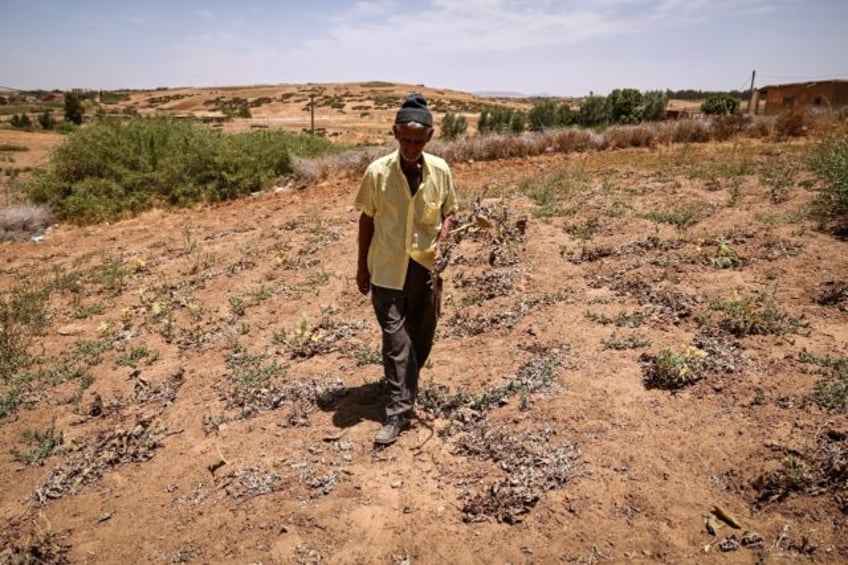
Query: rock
<point x="70" y="329"/>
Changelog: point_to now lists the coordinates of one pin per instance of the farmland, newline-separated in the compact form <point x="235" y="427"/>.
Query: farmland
<point x="640" y="348"/>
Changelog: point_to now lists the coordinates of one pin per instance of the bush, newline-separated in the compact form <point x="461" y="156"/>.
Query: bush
<point x="21" y="121"/>
<point x="115" y="168"/>
<point x="654" y="103"/>
<point x="830" y="163"/>
<point x="46" y="120"/>
<point x="594" y="111"/>
<point x="625" y="106"/>
<point x="720" y="104"/>
<point x="547" y="114"/>
<point x="793" y="123"/>
<point x="725" y="126"/>
<point x="73" y="108"/>
<point x="501" y="120"/>
<point x="453" y="126"/>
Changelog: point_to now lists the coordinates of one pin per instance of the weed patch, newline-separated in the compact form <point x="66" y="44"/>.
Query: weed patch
<point x="547" y="192"/>
<point x="534" y="376"/>
<point x="366" y="355"/>
<point x="618" y="342"/>
<point x="307" y="341"/>
<point x="664" y="301"/>
<point x="464" y="324"/>
<point x="671" y="370"/>
<point x="723" y="256"/>
<point x="23" y="315"/>
<point x="829" y="161"/>
<point x="821" y="469"/>
<point x="43" y="444"/>
<point x="707" y="356"/>
<point x="754" y="316"/>
<point x="682" y="219"/>
<point x="831" y="391"/>
<point x="253" y="389"/>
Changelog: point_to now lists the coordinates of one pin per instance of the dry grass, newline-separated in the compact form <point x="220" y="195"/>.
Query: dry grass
<point x="23" y="221"/>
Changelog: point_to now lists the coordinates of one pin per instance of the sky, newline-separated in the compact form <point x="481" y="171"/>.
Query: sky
<point x="533" y="47"/>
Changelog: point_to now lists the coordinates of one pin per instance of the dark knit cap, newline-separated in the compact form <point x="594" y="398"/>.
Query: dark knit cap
<point x="414" y="109"/>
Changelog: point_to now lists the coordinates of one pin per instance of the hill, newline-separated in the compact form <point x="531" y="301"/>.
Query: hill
<point x="345" y="112"/>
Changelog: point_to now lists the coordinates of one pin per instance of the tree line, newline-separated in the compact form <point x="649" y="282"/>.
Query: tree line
<point x="621" y="106"/>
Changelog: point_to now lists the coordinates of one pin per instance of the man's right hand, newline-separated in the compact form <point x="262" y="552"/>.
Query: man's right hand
<point x="363" y="279"/>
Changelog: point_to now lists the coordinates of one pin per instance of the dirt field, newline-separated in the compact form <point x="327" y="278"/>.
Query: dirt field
<point x="212" y="376"/>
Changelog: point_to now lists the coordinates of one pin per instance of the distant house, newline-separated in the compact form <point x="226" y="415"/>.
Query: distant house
<point x="825" y="95"/>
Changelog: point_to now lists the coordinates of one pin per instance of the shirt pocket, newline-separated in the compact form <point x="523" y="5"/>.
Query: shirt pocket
<point x="430" y="212"/>
<point x="429" y="206"/>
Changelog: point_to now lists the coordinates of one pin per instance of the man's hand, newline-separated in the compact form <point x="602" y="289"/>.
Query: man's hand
<point x="366" y="234"/>
<point x="363" y="279"/>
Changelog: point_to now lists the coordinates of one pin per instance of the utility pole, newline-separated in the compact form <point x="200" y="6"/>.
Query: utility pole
<point x="312" y="112"/>
<point x="752" y="104"/>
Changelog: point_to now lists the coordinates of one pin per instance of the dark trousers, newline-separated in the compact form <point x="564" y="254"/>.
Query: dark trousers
<point x="407" y="321"/>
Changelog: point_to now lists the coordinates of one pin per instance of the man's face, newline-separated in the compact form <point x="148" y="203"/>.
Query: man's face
<point x="411" y="140"/>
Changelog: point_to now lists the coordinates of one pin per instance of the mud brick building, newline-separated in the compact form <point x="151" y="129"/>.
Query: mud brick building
<point x="824" y="95"/>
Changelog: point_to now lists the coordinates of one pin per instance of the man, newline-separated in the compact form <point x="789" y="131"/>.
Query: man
<point x="406" y="201"/>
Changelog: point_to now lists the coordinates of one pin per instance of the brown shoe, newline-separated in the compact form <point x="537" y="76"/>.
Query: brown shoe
<point x="391" y="429"/>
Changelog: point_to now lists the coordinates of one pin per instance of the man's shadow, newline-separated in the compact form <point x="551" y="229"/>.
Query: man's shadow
<point x="355" y="404"/>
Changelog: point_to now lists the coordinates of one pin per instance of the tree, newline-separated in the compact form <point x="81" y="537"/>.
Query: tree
<point x="453" y="126"/>
<point x="517" y="122"/>
<point x="565" y="115"/>
<point x="501" y="120"/>
<point x="46" y="119"/>
<point x="20" y="121"/>
<point x="654" y="103"/>
<point x="73" y="108"/>
<point x="625" y="105"/>
<point x="543" y="115"/>
<point x="720" y="104"/>
<point x="594" y="111"/>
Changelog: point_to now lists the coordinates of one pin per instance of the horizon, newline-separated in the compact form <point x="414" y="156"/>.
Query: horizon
<point x="559" y="49"/>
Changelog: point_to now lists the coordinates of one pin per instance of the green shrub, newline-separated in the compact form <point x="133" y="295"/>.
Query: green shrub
<point x="501" y="120"/>
<point x="671" y="370"/>
<point x="720" y="104"/>
<point x="755" y="316"/>
<point x="74" y="110"/>
<point x="547" y="114"/>
<point x="831" y="390"/>
<point x="21" y="121"/>
<point x="43" y="443"/>
<point x="654" y="103"/>
<point x="23" y="315"/>
<point x="594" y="111"/>
<point x="625" y="105"/>
<point x="46" y="119"/>
<point x="117" y="168"/>
<point x="830" y="163"/>
<point x="453" y="126"/>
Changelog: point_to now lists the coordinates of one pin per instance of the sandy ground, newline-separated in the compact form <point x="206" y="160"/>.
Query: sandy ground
<point x="217" y="392"/>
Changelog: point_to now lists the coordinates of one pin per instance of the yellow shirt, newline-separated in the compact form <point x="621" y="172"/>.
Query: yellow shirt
<point x="404" y="225"/>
